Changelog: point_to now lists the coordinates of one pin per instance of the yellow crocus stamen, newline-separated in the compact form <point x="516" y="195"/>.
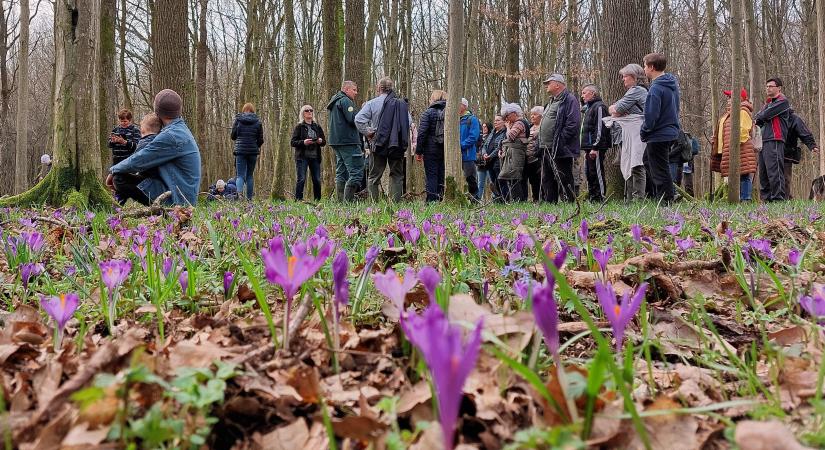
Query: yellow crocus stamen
<point x="291" y="266"/>
<point x="617" y="309"/>
<point x="63" y="301"/>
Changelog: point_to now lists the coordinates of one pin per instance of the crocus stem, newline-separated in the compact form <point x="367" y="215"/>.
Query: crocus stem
<point x="58" y="338"/>
<point x="286" y="325"/>
<point x="336" y="336"/>
<point x="534" y="353"/>
<point x="571" y="406"/>
<point x="111" y="313"/>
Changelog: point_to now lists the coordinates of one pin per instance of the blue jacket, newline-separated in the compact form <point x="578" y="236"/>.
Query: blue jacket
<point x="177" y="159"/>
<point x="145" y="140"/>
<point x="426" y="144"/>
<point x="470" y="130"/>
<point x="566" y="133"/>
<point x="662" y="111"/>
<point x="248" y="134"/>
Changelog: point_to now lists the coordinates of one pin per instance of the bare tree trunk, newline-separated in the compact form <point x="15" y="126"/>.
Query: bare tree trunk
<point x="75" y="175"/>
<point x="355" y="68"/>
<point x="757" y="71"/>
<point x="710" y="10"/>
<point x="288" y="109"/>
<point x="108" y="78"/>
<point x="511" y="83"/>
<point x="332" y="80"/>
<point x="7" y="155"/>
<point x="21" y="175"/>
<point x="471" y="57"/>
<point x="569" y="38"/>
<point x="820" y="41"/>
<point x="369" y="41"/>
<point x="618" y="17"/>
<point x="735" y="111"/>
<point x="200" y="83"/>
<point x="124" y="80"/>
<point x="455" y="88"/>
<point x="170" y="51"/>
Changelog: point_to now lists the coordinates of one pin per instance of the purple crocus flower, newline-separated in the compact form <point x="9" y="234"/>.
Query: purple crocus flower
<point x="183" y="279"/>
<point x="762" y="246"/>
<point x="60" y="309"/>
<point x="167" y="267"/>
<point x="370" y="256"/>
<point x="685" y="244"/>
<point x="290" y="272"/>
<point x="29" y="271"/>
<point x="674" y="229"/>
<point x="583" y="231"/>
<point x="815" y="304"/>
<point x="395" y="287"/>
<point x="114" y="272"/>
<point x="794" y="257"/>
<point x="619" y="314"/>
<point x="340" y="283"/>
<point x="524" y="286"/>
<point x="430" y="278"/>
<point x="602" y="257"/>
<point x="228" y="279"/>
<point x="546" y="314"/>
<point x="449" y="359"/>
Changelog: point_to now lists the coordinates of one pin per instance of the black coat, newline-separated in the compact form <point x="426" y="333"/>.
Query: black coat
<point x="595" y="135"/>
<point x="426" y="144"/>
<point x="122" y="151"/>
<point x="248" y="134"/>
<point x="303" y="131"/>
<point x="490" y="147"/>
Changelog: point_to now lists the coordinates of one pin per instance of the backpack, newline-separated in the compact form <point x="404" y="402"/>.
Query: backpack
<point x="792" y="151"/>
<point x="439" y="126"/>
<point x="682" y="150"/>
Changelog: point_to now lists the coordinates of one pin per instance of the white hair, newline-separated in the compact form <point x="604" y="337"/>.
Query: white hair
<point x="220" y="184"/>
<point x="507" y="108"/>
<point x="634" y="70"/>
<point x="465" y="102"/>
<point x="301" y="113"/>
<point x="46" y="159"/>
<point x="537" y="109"/>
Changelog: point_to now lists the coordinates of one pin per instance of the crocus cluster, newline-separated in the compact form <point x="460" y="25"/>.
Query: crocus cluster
<point x="619" y="314"/>
<point x="114" y="273"/>
<point x="449" y="359"/>
<point x="814" y="304"/>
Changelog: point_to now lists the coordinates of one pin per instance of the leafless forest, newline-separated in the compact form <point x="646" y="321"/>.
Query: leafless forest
<point x="282" y="54"/>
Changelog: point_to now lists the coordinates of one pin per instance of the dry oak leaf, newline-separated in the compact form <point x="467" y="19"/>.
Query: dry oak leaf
<point x="291" y="437"/>
<point x="772" y="435"/>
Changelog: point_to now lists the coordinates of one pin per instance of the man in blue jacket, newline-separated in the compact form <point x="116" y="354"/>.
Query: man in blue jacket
<point x="171" y="162"/>
<point x="345" y="142"/>
<point x="469" y="132"/>
<point x="661" y="128"/>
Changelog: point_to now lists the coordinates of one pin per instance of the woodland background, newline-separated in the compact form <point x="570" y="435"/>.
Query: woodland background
<point x="281" y="54"/>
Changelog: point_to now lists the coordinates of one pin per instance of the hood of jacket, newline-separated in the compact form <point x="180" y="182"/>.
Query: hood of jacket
<point x="441" y="104"/>
<point x="248" y="118"/>
<point x="668" y="81"/>
<point x="335" y="99"/>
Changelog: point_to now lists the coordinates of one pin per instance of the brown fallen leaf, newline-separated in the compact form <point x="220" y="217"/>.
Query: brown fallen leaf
<point x="52" y="434"/>
<point x="291" y="437"/>
<point x="81" y="437"/>
<point x="419" y="393"/>
<point x="771" y="435"/>
<point x="430" y="439"/>
<point x="789" y="336"/>
<point x="196" y="354"/>
<point x="305" y="380"/>
<point x="358" y="428"/>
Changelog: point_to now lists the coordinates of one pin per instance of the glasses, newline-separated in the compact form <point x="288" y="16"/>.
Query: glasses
<point x="307" y="110"/>
<point x="771" y="85"/>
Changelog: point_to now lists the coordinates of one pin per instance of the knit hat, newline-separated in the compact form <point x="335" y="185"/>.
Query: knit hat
<point x="220" y="184"/>
<point x="743" y="94"/>
<point x="168" y="104"/>
<point x="46" y="159"/>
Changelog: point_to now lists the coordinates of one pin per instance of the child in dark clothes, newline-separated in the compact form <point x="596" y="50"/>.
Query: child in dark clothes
<point x="124" y="138"/>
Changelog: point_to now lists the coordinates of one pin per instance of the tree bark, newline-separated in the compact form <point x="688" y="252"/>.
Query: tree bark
<point x="735" y="112"/>
<point x="332" y="80"/>
<point x="75" y="175"/>
<point x="108" y="79"/>
<point x="710" y="10"/>
<point x="369" y="41"/>
<point x="757" y="70"/>
<point x="288" y="108"/>
<point x="124" y="80"/>
<point x="820" y="46"/>
<point x="200" y="82"/>
<point x="21" y="175"/>
<point x="7" y="156"/>
<point x="511" y="82"/>
<point x="455" y="88"/>
<point x="355" y="64"/>
<point x="170" y="52"/>
<point x="618" y="17"/>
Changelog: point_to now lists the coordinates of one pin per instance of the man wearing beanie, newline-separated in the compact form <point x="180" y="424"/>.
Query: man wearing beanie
<point x="171" y="162"/>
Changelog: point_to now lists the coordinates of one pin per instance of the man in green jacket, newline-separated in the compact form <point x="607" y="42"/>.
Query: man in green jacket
<point x="345" y="141"/>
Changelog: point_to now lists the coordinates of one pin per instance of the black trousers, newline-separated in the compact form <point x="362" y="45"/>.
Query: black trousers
<point x="434" y="178"/>
<point x="594" y="168"/>
<point x="772" y="171"/>
<point x="556" y="179"/>
<point x="658" y="170"/>
<point x="532" y="180"/>
<point x="126" y="187"/>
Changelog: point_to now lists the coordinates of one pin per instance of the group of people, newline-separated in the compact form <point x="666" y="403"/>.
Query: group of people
<point x="523" y="156"/>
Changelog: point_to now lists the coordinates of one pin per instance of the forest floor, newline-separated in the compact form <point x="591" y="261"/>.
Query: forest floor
<point x="178" y="339"/>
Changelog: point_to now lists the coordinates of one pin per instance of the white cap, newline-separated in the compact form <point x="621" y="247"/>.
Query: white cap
<point x="46" y="159"/>
<point x="465" y="102"/>
<point x="220" y="184"/>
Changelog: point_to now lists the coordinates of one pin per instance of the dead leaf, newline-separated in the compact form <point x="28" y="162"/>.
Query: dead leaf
<point x="789" y="336"/>
<point x="196" y="354"/>
<point x="358" y="428"/>
<point x="52" y="434"/>
<point x="771" y="435"/>
<point x="80" y="436"/>
<point x="291" y="437"/>
<point x="430" y="439"/>
<point x="305" y="380"/>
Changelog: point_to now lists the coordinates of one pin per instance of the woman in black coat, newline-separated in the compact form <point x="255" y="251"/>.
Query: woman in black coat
<point x="307" y="139"/>
<point x="430" y="145"/>
<point x="248" y="134"/>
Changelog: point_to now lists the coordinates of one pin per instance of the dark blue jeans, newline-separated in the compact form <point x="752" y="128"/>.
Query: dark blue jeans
<point x="314" y="166"/>
<point x="245" y="167"/>
<point x="434" y="178"/>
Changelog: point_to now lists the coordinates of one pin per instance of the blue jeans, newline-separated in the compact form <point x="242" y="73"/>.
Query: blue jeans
<point x="314" y="166"/>
<point x="745" y="187"/>
<point x="244" y="167"/>
<point x="483" y="176"/>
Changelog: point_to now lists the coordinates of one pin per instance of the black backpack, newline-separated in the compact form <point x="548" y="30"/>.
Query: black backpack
<point x="682" y="150"/>
<point x="439" y="126"/>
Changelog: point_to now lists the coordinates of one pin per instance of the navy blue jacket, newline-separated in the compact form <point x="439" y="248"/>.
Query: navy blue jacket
<point x="426" y="144"/>
<point x="491" y="145"/>
<point x="248" y="134"/>
<point x="392" y="137"/>
<point x="662" y="110"/>
<point x="568" y="126"/>
<point x="775" y="119"/>
<point x="595" y="134"/>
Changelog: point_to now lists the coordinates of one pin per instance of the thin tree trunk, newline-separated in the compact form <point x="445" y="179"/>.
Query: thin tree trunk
<point x="355" y="68"/>
<point x="7" y="156"/>
<point x="735" y="111"/>
<point x="108" y="78"/>
<point x="455" y="88"/>
<point x="820" y="41"/>
<point x="511" y="83"/>
<point x="332" y="80"/>
<point x="288" y="109"/>
<point x="757" y="70"/>
<point x="170" y="51"/>
<point x="369" y="42"/>
<point x="710" y="10"/>
<point x="124" y="80"/>
<point x="21" y="176"/>
<point x="200" y="81"/>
